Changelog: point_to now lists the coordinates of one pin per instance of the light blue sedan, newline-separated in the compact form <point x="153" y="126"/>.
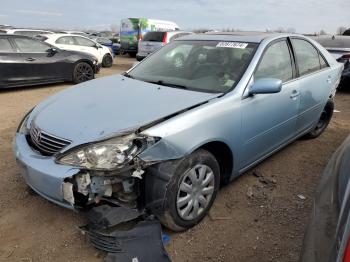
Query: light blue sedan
<point x="165" y="135"/>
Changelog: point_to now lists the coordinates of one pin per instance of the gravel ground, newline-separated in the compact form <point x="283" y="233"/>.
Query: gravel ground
<point x="258" y="217"/>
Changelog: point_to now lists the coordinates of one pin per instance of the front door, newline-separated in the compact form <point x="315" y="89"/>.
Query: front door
<point x="269" y="120"/>
<point x="38" y="64"/>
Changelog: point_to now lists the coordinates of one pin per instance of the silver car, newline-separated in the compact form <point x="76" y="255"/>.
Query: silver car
<point x="152" y="41"/>
<point x="163" y="137"/>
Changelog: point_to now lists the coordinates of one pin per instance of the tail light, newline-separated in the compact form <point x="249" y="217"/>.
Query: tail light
<point x="346" y="256"/>
<point x="344" y="59"/>
<point x="165" y="35"/>
<point x="346" y="56"/>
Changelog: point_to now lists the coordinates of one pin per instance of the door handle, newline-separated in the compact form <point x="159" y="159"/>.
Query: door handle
<point x="329" y="79"/>
<point x="30" y="59"/>
<point x="294" y="94"/>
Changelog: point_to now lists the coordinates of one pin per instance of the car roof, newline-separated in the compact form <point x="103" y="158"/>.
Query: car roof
<point x="28" y="29"/>
<point x="14" y="35"/>
<point x="244" y="36"/>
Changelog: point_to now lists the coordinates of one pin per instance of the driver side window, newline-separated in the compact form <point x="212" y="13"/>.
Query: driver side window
<point x="27" y="45"/>
<point x="276" y="63"/>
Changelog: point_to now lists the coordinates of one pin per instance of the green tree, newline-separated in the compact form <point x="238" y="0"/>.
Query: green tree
<point x="143" y="23"/>
<point x="135" y="23"/>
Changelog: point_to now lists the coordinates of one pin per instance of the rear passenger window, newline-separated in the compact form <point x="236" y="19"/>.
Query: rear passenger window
<point x="276" y="63"/>
<point x="307" y="56"/>
<point x="66" y="40"/>
<point x="5" y="46"/>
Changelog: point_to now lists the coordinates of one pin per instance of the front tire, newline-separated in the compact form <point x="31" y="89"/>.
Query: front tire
<point x="323" y="122"/>
<point x="82" y="72"/>
<point x="107" y="60"/>
<point x="191" y="191"/>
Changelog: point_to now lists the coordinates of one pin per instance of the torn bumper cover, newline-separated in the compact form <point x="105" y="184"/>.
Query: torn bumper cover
<point x="72" y="187"/>
<point x="124" y="234"/>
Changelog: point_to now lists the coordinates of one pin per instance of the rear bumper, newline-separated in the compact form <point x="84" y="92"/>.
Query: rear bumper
<point x="41" y="173"/>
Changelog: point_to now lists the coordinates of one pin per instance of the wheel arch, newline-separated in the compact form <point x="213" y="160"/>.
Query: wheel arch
<point x="224" y="155"/>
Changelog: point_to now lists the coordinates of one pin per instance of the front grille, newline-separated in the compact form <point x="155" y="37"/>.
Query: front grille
<point x="45" y="143"/>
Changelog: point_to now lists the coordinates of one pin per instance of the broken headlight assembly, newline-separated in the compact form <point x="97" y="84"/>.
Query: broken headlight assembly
<point x="107" y="155"/>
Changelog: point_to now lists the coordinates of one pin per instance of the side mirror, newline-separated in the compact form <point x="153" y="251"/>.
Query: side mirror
<point x="97" y="46"/>
<point x="266" y="86"/>
<point x="52" y="51"/>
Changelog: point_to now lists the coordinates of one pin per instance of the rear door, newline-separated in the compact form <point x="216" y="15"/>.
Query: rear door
<point x="269" y="120"/>
<point x="11" y="71"/>
<point x="151" y="42"/>
<point x="316" y="82"/>
<point x="38" y="64"/>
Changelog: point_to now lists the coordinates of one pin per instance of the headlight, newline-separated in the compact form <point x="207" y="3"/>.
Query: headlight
<point x="107" y="155"/>
<point x="22" y="128"/>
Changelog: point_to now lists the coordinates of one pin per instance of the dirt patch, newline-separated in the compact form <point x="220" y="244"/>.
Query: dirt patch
<point x="255" y="218"/>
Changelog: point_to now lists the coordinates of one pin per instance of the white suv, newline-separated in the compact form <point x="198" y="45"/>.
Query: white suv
<point x="152" y="41"/>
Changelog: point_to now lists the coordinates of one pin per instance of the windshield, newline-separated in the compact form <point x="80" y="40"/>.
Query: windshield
<point x="206" y="66"/>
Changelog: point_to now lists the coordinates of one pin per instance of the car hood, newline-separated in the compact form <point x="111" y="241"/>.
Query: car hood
<point x="107" y="106"/>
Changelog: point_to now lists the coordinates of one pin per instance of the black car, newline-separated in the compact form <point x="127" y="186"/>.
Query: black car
<point x="26" y="61"/>
<point x="339" y="47"/>
<point x="328" y="233"/>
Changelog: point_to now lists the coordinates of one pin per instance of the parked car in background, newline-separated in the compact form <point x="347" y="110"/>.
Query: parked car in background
<point x="152" y="41"/>
<point x="132" y="31"/>
<point x="28" y="32"/>
<point x="347" y="32"/>
<point x="327" y="236"/>
<point x="339" y="47"/>
<point x="25" y="61"/>
<point x="6" y="27"/>
<point x="82" y="44"/>
<point x="114" y="47"/>
<point x="235" y="101"/>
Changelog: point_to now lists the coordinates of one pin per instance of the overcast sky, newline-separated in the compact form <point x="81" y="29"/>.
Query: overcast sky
<point x="303" y="15"/>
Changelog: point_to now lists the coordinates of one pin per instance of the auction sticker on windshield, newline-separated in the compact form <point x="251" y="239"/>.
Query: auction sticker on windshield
<point x="232" y="45"/>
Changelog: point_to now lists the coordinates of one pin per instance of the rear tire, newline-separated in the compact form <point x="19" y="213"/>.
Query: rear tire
<point x="107" y="60"/>
<point x="82" y="72"/>
<point x="323" y="122"/>
<point x="191" y="190"/>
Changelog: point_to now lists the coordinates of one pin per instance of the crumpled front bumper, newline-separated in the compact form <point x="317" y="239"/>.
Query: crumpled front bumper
<point x="41" y="173"/>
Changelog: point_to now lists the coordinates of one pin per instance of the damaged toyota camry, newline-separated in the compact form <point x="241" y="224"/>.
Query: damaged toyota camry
<point x="163" y="136"/>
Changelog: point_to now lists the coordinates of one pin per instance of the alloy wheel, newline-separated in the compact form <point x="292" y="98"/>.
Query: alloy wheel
<point x="84" y="72"/>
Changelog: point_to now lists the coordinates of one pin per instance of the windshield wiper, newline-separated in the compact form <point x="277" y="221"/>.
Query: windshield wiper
<point x="162" y="83"/>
